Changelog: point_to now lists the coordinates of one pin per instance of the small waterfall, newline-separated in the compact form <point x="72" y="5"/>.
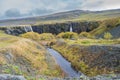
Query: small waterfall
<point x="71" y="29"/>
<point x="31" y="29"/>
<point x="28" y="29"/>
<point x="25" y="29"/>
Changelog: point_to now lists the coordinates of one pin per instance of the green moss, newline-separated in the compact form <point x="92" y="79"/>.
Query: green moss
<point x="12" y="69"/>
<point x="86" y="42"/>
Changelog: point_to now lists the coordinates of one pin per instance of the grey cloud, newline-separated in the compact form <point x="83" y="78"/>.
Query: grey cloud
<point x="25" y="8"/>
<point x="15" y="13"/>
<point x="12" y="13"/>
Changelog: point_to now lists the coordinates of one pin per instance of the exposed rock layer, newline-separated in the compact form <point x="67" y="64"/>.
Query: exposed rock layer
<point x="53" y="28"/>
<point x="64" y="27"/>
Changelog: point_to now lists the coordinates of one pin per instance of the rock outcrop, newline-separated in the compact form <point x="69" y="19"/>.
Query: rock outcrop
<point x="11" y="77"/>
<point x="105" y="56"/>
<point x="65" y="27"/>
<point x="52" y="28"/>
<point x="16" y="30"/>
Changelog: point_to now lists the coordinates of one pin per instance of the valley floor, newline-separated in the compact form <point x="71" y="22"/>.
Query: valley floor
<point x="27" y="57"/>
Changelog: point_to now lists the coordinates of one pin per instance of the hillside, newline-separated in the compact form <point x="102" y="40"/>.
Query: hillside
<point x="109" y="25"/>
<point x="20" y="56"/>
<point x="74" y="15"/>
<point x="91" y="57"/>
<point x="97" y="29"/>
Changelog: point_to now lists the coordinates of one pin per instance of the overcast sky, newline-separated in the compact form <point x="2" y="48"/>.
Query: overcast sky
<point x="27" y="8"/>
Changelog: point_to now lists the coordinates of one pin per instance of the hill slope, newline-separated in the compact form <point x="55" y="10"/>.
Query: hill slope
<point x="20" y="56"/>
<point x="65" y="16"/>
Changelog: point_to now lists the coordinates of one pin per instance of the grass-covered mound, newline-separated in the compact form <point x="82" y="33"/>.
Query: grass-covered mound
<point x="47" y="36"/>
<point x="31" y="35"/>
<point x="68" y="35"/>
<point x="47" y="39"/>
<point x="20" y="56"/>
<point x="44" y="38"/>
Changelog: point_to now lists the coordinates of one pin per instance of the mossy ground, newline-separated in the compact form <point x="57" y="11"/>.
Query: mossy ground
<point x="88" y="42"/>
<point x="77" y="52"/>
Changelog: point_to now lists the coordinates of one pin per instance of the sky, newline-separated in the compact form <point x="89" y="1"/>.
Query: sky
<point x="28" y="8"/>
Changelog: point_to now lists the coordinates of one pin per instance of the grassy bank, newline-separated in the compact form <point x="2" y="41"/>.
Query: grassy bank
<point x="20" y="56"/>
<point x="88" y="42"/>
<point x="82" y="58"/>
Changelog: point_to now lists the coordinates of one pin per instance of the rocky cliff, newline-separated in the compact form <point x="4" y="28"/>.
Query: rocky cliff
<point x="16" y="30"/>
<point x="52" y="28"/>
<point x="65" y="27"/>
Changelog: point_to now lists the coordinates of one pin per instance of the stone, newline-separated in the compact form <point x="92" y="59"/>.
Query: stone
<point x="11" y="77"/>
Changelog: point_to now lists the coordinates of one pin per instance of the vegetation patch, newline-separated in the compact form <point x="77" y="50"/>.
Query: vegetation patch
<point x="68" y="35"/>
<point x="105" y="26"/>
<point x="26" y="57"/>
<point x="88" y="58"/>
<point x="31" y="35"/>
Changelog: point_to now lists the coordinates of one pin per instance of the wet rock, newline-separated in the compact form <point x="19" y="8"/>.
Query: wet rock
<point x="11" y="77"/>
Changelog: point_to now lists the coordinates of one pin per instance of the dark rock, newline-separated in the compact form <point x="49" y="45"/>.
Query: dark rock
<point x="55" y="28"/>
<point x="65" y="27"/>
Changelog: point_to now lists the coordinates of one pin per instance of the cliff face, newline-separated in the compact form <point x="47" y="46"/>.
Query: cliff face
<point x="16" y="30"/>
<point x="64" y="27"/>
<point x="52" y="28"/>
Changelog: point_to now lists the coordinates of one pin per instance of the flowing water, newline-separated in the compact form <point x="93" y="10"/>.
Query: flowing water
<point x="63" y="63"/>
<point x="71" y="29"/>
<point x="28" y="29"/>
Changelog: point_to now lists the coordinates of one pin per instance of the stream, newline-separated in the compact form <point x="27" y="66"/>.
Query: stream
<point x="64" y="64"/>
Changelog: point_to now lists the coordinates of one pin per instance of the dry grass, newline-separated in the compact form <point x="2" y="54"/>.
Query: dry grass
<point x="29" y="53"/>
<point x="2" y="60"/>
<point x="89" y="42"/>
<point x="6" y="40"/>
<point x="28" y="49"/>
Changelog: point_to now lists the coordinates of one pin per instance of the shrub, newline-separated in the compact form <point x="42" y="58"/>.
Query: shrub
<point x="31" y="35"/>
<point x="68" y="35"/>
<point x="107" y="35"/>
<point x="46" y="36"/>
<point x="60" y="42"/>
<point x="86" y="34"/>
<point x="2" y="60"/>
<point x="85" y="42"/>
